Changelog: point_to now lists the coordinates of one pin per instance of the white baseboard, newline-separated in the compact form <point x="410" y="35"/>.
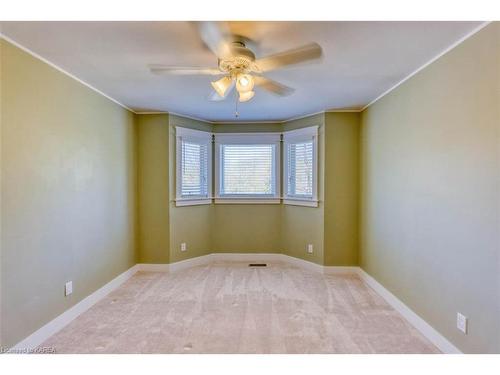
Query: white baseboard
<point x="340" y="270"/>
<point x="49" y="329"/>
<point x="153" y="267"/>
<point x="416" y="321"/>
<point x="246" y="257"/>
<point x="55" y="325"/>
<point x="314" y="267"/>
<point x="193" y="262"/>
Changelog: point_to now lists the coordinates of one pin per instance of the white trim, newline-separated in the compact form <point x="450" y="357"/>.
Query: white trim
<point x="55" y="325"/>
<point x="302" y="116"/>
<point x="181" y="202"/>
<point x="247" y="138"/>
<point x="301" y="202"/>
<point x="311" y="266"/>
<point x="442" y="53"/>
<point x="191" y="262"/>
<point x="151" y="113"/>
<point x="340" y="270"/>
<point x="416" y="321"/>
<point x="237" y="200"/>
<point x="37" y="56"/>
<point x="256" y="122"/>
<point x="354" y="110"/>
<point x="153" y="267"/>
<point x="191" y="118"/>
<point x="247" y="257"/>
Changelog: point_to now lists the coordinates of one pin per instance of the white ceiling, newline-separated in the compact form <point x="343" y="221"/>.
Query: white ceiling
<point x="361" y="61"/>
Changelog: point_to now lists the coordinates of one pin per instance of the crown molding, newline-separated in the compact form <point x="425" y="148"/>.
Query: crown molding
<point x="270" y="122"/>
<point x="191" y="117"/>
<point x="302" y="116"/>
<point x="151" y="113"/>
<point x="344" y="110"/>
<point x="438" y="56"/>
<point x="58" y="68"/>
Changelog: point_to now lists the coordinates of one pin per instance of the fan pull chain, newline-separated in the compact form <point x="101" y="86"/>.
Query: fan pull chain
<point x="236" y="113"/>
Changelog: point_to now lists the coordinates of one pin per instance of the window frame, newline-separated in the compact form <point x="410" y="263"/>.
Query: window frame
<point x="248" y="139"/>
<point x="199" y="137"/>
<point x="293" y="137"/>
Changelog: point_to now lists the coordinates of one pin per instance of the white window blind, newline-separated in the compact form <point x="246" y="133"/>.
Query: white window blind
<point x="194" y="151"/>
<point x="194" y="166"/>
<point x="247" y="166"/>
<point x="247" y="169"/>
<point x="300" y="164"/>
<point x="300" y="169"/>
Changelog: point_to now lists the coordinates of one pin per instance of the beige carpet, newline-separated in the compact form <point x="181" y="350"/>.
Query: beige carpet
<point x="231" y="308"/>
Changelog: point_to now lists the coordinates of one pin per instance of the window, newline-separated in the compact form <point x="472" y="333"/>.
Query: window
<point x="301" y="169"/>
<point x="247" y="168"/>
<point x="194" y="161"/>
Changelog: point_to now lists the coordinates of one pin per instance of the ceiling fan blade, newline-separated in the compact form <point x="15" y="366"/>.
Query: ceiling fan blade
<point x="273" y="86"/>
<point x="215" y="97"/>
<point x="307" y="52"/>
<point x="215" y="35"/>
<point x="183" y="70"/>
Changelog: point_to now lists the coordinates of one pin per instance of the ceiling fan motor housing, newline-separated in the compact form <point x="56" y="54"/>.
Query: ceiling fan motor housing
<point x="241" y="61"/>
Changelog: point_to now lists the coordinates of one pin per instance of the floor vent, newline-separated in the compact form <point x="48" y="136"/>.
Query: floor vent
<point x="257" y="265"/>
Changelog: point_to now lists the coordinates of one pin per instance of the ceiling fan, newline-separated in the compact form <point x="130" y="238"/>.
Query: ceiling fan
<point x="238" y="64"/>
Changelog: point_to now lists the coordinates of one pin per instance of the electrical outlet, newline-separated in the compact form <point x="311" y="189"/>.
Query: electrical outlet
<point x="68" y="288"/>
<point x="310" y="248"/>
<point x="183" y="246"/>
<point x="462" y="322"/>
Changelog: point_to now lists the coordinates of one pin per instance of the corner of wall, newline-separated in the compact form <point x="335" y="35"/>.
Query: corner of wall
<point x="342" y="188"/>
<point x="153" y="237"/>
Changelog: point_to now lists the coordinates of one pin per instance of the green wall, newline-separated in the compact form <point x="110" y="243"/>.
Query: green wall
<point x="68" y="192"/>
<point x="153" y="188"/>
<point x="246" y="228"/>
<point x="431" y="192"/>
<point x="341" y="213"/>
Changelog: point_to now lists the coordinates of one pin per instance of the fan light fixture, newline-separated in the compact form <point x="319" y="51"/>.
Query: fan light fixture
<point x="246" y="96"/>
<point x="222" y="85"/>
<point x="244" y="83"/>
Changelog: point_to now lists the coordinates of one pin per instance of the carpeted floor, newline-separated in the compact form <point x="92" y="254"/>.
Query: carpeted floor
<point x="231" y="308"/>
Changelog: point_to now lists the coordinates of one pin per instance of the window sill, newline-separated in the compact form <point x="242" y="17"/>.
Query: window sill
<point x="300" y="202"/>
<point x="192" y="202"/>
<point x="247" y="201"/>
